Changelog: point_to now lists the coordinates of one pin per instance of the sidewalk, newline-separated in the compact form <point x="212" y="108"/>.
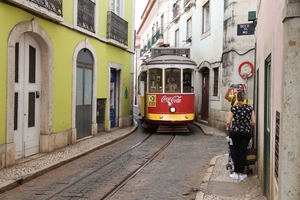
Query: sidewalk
<point x="216" y="184"/>
<point x="32" y="167"/>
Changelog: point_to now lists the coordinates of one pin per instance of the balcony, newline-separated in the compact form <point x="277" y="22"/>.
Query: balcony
<point x="176" y="14"/>
<point x="188" y="4"/>
<point x="50" y="9"/>
<point x="117" y="28"/>
<point x="156" y="40"/>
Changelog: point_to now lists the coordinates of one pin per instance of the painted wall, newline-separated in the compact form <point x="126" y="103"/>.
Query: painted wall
<point x="64" y="38"/>
<point x="152" y="14"/>
<point x="278" y="37"/>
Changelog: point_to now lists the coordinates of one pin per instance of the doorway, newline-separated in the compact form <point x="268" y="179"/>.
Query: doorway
<point x="112" y="105"/>
<point x="27" y="96"/>
<point x="84" y="91"/>
<point x="267" y="126"/>
<point x="205" y="94"/>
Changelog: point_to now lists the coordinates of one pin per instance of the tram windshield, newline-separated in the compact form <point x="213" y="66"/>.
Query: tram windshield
<point x="155" y="83"/>
<point x="173" y="80"/>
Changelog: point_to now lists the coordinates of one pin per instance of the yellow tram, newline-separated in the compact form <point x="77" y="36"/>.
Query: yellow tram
<point x="166" y="90"/>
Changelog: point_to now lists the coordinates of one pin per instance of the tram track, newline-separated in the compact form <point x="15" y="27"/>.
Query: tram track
<point x="125" y="180"/>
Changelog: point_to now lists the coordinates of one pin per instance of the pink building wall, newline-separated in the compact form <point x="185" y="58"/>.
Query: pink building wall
<point x="278" y="36"/>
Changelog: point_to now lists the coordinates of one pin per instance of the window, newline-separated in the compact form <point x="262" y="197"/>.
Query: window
<point x="188" y="81"/>
<point x="206" y="18"/>
<point x="216" y="81"/>
<point x="116" y="7"/>
<point x="172" y="80"/>
<point x="189" y="28"/>
<point x="177" y="38"/>
<point x="155" y="77"/>
<point x="162" y="24"/>
<point x="86" y="15"/>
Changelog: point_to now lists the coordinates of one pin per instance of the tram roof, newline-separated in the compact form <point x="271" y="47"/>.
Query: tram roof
<point x="169" y="59"/>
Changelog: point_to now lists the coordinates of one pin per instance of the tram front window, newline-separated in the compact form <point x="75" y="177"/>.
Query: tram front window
<point x="172" y="80"/>
<point x="155" y="84"/>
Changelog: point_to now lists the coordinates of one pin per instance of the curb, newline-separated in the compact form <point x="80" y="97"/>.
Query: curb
<point x="13" y="183"/>
<point x="201" y="194"/>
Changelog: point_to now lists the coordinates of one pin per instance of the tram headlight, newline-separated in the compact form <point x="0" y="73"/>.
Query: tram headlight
<point x="172" y="109"/>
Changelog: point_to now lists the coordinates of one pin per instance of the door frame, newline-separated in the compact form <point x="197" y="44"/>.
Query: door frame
<point x="205" y="73"/>
<point x="84" y="45"/>
<point x="118" y="100"/>
<point x="267" y="130"/>
<point x="46" y="99"/>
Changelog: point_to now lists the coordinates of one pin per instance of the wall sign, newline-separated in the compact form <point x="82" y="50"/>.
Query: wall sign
<point x="245" y="29"/>
<point x="246" y="69"/>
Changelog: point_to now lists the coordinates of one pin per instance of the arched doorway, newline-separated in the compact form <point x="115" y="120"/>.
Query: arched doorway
<point x="84" y="93"/>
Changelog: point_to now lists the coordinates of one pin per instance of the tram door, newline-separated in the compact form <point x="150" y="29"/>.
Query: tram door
<point x="205" y="95"/>
<point x="84" y="87"/>
<point x="112" y="111"/>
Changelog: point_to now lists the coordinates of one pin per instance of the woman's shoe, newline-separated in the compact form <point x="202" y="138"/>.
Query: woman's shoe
<point x="242" y="177"/>
<point x="234" y="176"/>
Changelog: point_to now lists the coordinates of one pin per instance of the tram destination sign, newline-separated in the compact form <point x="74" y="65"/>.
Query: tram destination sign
<point x="170" y="51"/>
<point x="245" y="29"/>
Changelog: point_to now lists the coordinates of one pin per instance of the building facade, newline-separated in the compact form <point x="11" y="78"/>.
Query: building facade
<point x="278" y="109"/>
<point x="66" y="73"/>
<point x="248" y="42"/>
<point x="209" y="29"/>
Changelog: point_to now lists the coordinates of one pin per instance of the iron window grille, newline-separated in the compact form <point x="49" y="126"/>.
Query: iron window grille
<point x="117" y="28"/>
<point x="86" y="15"/>
<point x="51" y="5"/>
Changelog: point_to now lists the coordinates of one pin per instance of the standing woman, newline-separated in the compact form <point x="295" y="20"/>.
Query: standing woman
<point x="244" y="118"/>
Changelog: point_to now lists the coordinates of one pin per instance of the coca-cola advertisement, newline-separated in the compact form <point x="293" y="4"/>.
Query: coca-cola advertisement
<point x="183" y="103"/>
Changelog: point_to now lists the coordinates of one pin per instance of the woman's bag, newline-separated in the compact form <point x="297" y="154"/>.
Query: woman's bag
<point x="251" y="156"/>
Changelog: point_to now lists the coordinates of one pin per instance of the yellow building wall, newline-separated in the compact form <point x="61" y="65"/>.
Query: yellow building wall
<point x="64" y="41"/>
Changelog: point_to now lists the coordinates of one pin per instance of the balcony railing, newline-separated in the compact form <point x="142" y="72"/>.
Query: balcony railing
<point x="117" y="28"/>
<point x="54" y="6"/>
<point x="154" y="40"/>
<point x="175" y="10"/>
<point x="186" y="2"/>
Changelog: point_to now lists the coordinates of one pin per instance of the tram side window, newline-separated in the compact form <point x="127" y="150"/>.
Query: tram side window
<point x="155" y="83"/>
<point x="173" y="80"/>
<point x="187" y="81"/>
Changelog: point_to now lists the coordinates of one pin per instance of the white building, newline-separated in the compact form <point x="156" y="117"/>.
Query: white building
<point x="209" y="29"/>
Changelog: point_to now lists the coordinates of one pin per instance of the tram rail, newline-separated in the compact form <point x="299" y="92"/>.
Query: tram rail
<point x="125" y="180"/>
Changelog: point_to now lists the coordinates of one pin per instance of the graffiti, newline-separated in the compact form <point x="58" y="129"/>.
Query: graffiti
<point x="124" y="87"/>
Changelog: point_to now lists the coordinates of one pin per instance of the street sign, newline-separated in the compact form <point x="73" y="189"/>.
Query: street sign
<point x="245" y="29"/>
<point x="246" y="69"/>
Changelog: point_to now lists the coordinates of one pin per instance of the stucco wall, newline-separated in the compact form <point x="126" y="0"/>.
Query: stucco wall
<point x="278" y="36"/>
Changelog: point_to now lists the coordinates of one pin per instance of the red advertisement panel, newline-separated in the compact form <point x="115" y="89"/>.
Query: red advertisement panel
<point x="161" y="103"/>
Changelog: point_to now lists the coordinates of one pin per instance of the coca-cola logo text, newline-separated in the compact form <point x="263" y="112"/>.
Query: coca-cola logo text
<point x="171" y="99"/>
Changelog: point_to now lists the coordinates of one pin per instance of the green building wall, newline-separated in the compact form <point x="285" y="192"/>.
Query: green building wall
<point x="64" y="40"/>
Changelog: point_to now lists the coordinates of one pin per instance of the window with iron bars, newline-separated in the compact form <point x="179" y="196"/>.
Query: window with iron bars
<point x="216" y="81"/>
<point x="52" y="5"/>
<point x="86" y="15"/>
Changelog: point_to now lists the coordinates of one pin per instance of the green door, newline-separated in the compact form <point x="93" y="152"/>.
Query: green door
<point x="267" y="125"/>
